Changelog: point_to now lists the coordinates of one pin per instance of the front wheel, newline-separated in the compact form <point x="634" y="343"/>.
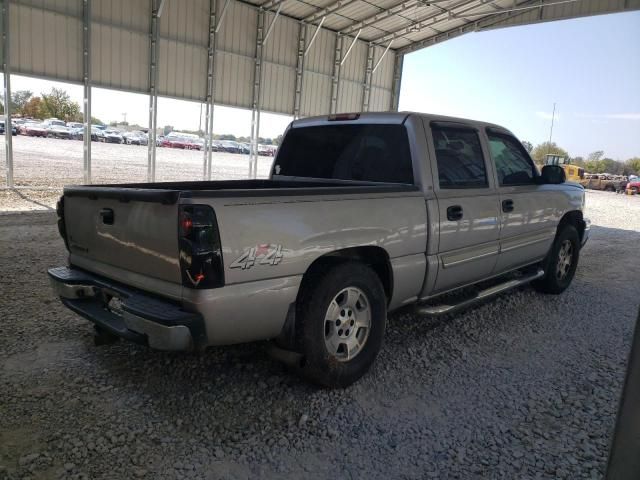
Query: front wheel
<point x="561" y="262"/>
<point x="341" y="319"/>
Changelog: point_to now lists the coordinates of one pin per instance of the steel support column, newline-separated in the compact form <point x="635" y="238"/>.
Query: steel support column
<point x="211" y="82"/>
<point x="86" y="80"/>
<point x="255" y="106"/>
<point x="397" y="81"/>
<point x="153" y="94"/>
<point x="335" y="77"/>
<point x="6" y="70"/>
<point x="368" y="74"/>
<point x="302" y="40"/>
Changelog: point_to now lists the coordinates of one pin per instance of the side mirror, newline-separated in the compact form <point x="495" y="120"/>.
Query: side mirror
<point x="552" y="174"/>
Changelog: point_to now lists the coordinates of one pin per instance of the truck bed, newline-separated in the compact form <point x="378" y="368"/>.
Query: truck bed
<point x="168" y="192"/>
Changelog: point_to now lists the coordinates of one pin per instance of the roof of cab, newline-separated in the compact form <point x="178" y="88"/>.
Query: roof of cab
<point x="390" y="118"/>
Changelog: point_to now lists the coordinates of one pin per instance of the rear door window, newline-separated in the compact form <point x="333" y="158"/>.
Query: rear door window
<point x="513" y="164"/>
<point x="459" y="157"/>
<point x="365" y="152"/>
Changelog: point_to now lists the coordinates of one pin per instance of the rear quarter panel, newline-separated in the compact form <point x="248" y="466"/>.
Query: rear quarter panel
<point x="284" y="235"/>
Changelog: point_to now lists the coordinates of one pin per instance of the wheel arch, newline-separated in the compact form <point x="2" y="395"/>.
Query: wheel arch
<point x="373" y="256"/>
<point x="574" y="218"/>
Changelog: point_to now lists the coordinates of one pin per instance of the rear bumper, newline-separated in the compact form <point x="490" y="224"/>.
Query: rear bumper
<point x="133" y="315"/>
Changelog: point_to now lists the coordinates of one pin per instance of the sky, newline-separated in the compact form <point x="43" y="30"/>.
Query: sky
<point x="590" y="67"/>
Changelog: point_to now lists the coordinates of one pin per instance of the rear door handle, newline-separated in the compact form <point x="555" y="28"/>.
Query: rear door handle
<point x="107" y="216"/>
<point x="507" y="205"/>
<point x="454" y="213"/>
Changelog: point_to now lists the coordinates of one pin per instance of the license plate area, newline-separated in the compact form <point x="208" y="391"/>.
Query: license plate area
<point x="114" y="305"/>
<point x="112" y="302"/>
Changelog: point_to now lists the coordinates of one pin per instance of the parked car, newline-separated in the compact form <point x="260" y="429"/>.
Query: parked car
<point x="33" y="129"/>
<point x="176" y="141"/>
<point x="75" y="125"/>
<point x="159" y="141"/>
<point x="265" y="151"/>
<point x="135" y="138"/>
<point x="111" y="136"/>
<point x="14" y="128"/>
<point x="362" y="214"/>
<point x="599" y="182"/>
<point x="230" y="146"/>
<point x="59" y="131"/>
<point x="633" y="186"/>
<point x="96" y="134"/>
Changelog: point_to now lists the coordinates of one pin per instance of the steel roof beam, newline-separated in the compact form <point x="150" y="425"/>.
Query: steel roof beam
<point x="386" y="13"/>
<point x="272" y="24"/>
<point x="344" y="59"/>
<point x="429" y="20"/>
<point x="315" y="34"/>
<point x="328" y="10"/>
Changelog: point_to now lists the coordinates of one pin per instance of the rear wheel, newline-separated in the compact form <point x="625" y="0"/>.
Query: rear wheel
<point x="561" y="262"/>
<point x="341" y="319"/>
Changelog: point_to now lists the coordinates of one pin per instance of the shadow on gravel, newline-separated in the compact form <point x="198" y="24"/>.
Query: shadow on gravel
<point x="29" y="199"/>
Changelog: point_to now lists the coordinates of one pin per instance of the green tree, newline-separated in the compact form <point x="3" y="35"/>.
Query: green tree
<point x="58" y="104"/>
<point x="33" y="108"/>
<point x="167" y="130"/>
<point x="540" y="151"/>
<point x="19" y="99"/>
<point x="96" y="121"/>
<point x="278" y="140"/>
<point x="595" y="156"/>
<point x="632" y="166"/>
<point x="528" y="146"/>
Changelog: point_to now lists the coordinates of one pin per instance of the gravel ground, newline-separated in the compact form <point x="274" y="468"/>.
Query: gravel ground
<point x="526" y="386"/>
<point x="42" y="166"/>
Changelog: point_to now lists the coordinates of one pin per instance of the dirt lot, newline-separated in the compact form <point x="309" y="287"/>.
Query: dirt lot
<point x="46" y="165"/>
<point x="524" y="387"/>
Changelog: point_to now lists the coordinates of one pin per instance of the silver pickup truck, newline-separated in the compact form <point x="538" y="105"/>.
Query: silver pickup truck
<point x="362" y="214"/>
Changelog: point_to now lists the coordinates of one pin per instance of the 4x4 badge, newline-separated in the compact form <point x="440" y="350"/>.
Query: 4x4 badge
<point x="264" y="254"/>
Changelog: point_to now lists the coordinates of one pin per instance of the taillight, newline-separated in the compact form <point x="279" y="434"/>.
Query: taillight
<point x="200" y="251"/>
<point x="62" y="229"/>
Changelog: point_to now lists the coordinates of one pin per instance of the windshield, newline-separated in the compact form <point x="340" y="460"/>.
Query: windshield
<point x="368" y="152"/>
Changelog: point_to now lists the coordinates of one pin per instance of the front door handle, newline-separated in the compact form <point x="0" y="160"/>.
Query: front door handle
<point x="454" y="213"/>
<point x="507" y="205"/>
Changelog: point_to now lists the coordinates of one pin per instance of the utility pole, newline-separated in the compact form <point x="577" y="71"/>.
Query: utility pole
<point x="553" y="115"/>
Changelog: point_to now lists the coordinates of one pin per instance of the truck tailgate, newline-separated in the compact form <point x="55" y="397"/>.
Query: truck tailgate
<point x="137" y="235"/>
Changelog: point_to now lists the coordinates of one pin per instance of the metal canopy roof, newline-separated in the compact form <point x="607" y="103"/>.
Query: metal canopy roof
<point x="295" y="57"/>
<point x="408" y="25"/>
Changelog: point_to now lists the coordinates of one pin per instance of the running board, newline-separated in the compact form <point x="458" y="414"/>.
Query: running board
<point x="442" y="309"/>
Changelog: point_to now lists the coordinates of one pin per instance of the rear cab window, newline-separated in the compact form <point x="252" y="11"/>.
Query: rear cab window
<point x="361" y="152"/>
<point x="513" y="164"/>
<point x="459" y="157"/>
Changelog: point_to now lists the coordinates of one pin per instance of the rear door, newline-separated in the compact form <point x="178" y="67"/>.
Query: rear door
<point x="467" y="205"/>
<point x="529" y="211"/>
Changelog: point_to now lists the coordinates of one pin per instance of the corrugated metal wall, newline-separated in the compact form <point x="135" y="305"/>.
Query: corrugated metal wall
<point x="46" y="41"/>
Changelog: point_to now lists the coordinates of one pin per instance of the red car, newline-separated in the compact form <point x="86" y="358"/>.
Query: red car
<point x="634" y="186"/>
<point x="33" y="130"/>
<point x="180" y="142"/>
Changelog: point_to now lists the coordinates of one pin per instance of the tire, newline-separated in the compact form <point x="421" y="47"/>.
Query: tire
<point x="351" y="292"/>
<point x="561" y="262"/>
